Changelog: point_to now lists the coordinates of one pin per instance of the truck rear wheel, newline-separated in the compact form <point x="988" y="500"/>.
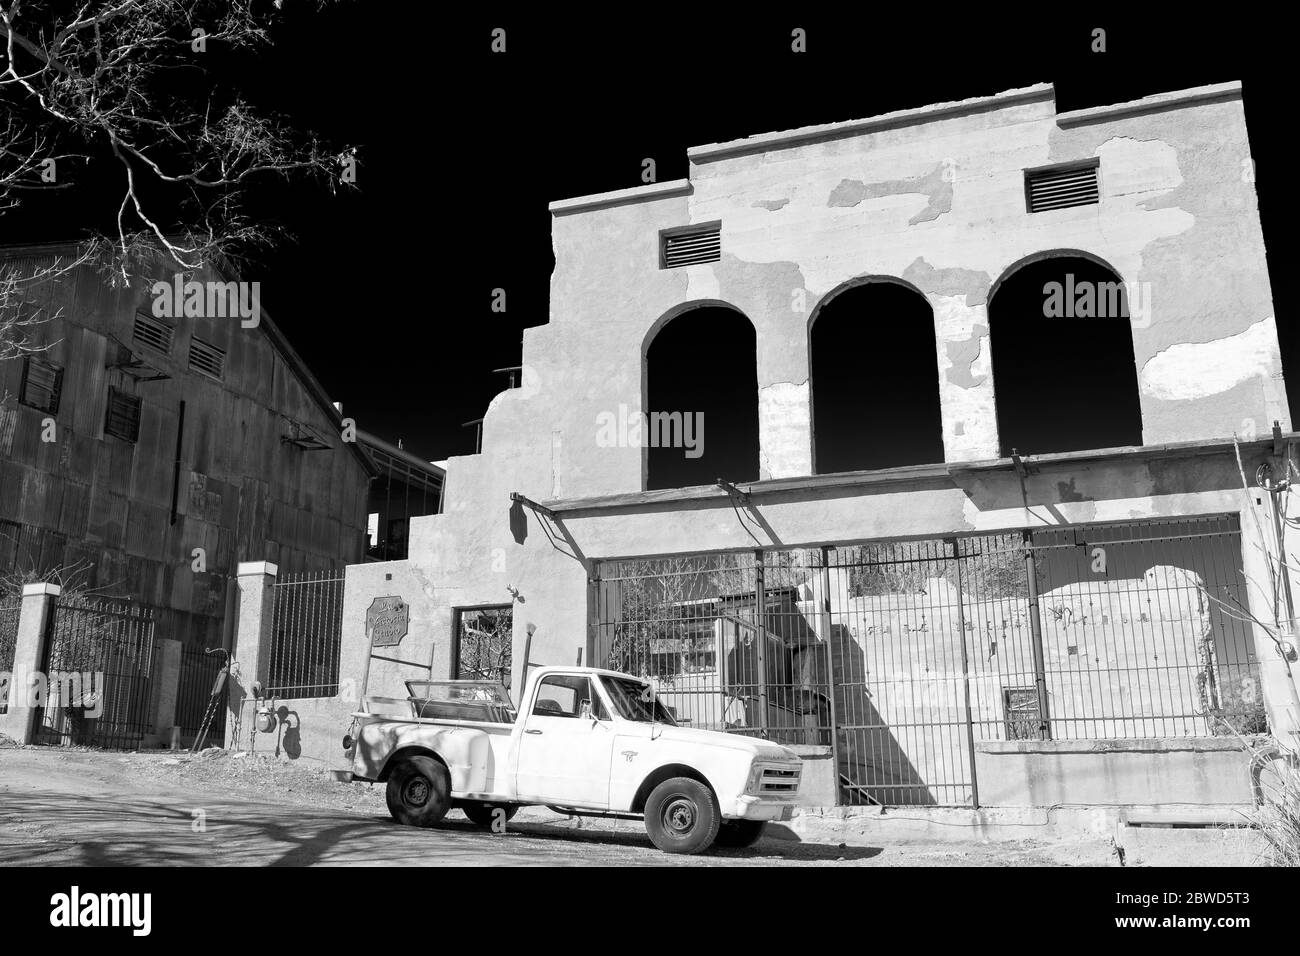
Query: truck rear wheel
<point x="482" y="813"/>
<point x="740" y="833"/>
<point x="419" y="792"/>
<point x="682" y="816"/>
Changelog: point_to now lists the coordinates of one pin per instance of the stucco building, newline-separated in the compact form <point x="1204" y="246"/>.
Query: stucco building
<point x="951" y="501"/>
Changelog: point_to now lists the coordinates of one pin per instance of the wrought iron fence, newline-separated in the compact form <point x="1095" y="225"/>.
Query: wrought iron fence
<point x="724" y="639"/>
<point x="10" y="608"/>
<point x="306" y="635"/>
<point x="198" y="679"/>
<point x="902" y="657"/>
<point x="98" y="667"/>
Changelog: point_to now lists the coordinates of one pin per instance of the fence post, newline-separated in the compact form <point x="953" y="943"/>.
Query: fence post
<point x="253" y="636"/>
<point x="760" y="640"/>
<point x="1036" y="633"/>
<point x="28" y="686"/>
<point x="828" y="632"/>
<point x="965" y="676"/>
<point x="166" y="685"/>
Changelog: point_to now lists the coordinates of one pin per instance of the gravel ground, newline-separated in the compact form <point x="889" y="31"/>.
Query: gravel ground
<point x="76" y="806"/>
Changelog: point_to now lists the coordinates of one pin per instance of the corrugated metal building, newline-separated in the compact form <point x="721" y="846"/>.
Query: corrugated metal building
<point x="130" y="440"/>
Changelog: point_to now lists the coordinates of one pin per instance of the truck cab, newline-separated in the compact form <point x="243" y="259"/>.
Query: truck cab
<point x="584" y="739"/>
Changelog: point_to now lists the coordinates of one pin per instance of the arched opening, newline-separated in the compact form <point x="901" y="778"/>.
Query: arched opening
<point x="875" y="379"/>
<point x="1063" y="371"/>
<point x="701" y="421"/>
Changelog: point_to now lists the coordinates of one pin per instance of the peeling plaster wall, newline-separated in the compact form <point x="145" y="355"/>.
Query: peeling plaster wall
<point x="939" y="205"/>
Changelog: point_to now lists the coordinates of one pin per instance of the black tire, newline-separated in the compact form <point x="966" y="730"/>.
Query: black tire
<point x="419" y="792"/>
<point x="682" y="816"/>
<point x="740" y="833"/>
<point x="481" y="813"/>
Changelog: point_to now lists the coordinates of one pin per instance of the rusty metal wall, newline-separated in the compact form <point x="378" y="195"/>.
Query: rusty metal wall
<point x="103" y="505"/>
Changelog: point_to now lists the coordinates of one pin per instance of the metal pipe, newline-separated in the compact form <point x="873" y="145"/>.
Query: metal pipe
<point x="176" y="462"/>
<point x="1036" y="633"/>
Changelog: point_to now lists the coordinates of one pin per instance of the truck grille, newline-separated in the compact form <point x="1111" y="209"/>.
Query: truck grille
<point x="779" y="780"/>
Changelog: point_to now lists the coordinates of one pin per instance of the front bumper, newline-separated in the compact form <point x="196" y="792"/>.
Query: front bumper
<point x="759" y="808"/>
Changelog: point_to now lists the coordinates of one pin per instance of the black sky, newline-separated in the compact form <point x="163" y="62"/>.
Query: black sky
<point x="386" y="293"/>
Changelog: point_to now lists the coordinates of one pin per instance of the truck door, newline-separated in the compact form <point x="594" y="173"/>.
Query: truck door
<point x="564" y="756"/>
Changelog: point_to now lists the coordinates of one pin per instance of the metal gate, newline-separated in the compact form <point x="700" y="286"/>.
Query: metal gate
<point x="902" y="657"/>
<point x="194" y="689"/>
<point x="307" y="635"/>
<point x="98" y="667"/>
<point x="10" y="609"/>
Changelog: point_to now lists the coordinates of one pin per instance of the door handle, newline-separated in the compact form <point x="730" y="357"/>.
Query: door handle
<point x="532" y="731"/>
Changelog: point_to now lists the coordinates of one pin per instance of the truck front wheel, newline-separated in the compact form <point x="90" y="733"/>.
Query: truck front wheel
<point x="419" y="792"/>
<point x="682" y="816"/>
<point x="740" y="833"/>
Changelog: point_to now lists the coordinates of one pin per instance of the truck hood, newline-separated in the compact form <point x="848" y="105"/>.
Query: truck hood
<point x="716" y="738"/>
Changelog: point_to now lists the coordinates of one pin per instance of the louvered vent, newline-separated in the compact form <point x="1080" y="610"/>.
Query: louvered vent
<point x="123" y="419"/>
<point x="207" y="358"/>
<point x="689" y="247"/>
<point x="1060" y="187"/>
<point x="152" y="332"/>
<point x="42" y="385"/>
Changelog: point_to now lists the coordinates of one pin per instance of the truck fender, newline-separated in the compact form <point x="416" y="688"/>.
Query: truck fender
<point x="661" y="773"/>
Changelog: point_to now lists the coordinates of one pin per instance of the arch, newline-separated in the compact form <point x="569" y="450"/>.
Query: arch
<point x="700" y="389"/>
<point x="1064" y="376"/>
<point x="873" y="385"/>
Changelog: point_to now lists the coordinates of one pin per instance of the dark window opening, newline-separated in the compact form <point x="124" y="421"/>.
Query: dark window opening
<point x="42" y="385"/>
<point x="875" y="380"/>
<point x="1064" y="377"/>
<point x="123" y="418"/>
<point x="483" y="643"/>
<point x="701" y="422"/>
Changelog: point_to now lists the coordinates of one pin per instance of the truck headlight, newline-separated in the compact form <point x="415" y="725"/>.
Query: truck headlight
<point x="755" y="779"/>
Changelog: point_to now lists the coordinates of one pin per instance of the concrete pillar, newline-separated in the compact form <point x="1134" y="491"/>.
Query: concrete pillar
<point x="1277" y="679"/>
<point x="166" y="681"/>
<point x="970" y="431"/>
<point x="785" y="439"/>
<point x="252" y="651"/>
<point x="28" y="685"/>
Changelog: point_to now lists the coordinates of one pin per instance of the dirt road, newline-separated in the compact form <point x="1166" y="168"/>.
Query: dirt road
<point x="72" y="807"/>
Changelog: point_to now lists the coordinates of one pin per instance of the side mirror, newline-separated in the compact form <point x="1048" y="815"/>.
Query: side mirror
<point x="584" y="710"/>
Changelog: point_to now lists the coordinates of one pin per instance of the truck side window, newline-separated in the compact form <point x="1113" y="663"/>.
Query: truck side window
<point x="563" y="696"/>
<point x="558" y="696"/>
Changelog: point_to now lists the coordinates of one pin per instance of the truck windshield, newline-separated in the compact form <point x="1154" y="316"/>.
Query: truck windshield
<point x="636" y="701"/>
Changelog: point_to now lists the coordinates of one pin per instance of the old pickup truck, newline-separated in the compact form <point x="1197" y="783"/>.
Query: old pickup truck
<point x="585" y="740"/>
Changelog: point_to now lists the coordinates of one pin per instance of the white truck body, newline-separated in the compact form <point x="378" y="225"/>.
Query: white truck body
<point x="579" y="741"/>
